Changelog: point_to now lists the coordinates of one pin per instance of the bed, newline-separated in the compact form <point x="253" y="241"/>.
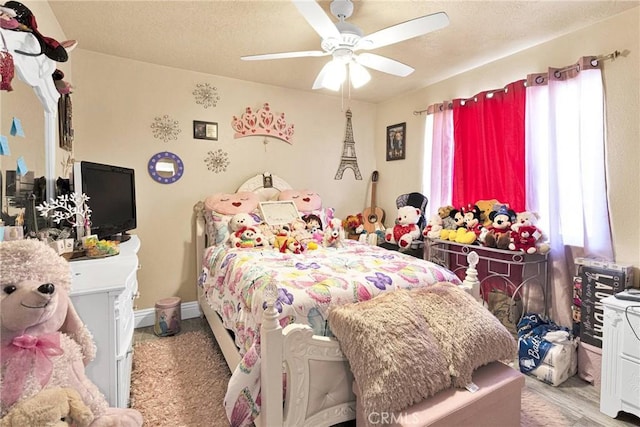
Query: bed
<point x="268" y="312"/>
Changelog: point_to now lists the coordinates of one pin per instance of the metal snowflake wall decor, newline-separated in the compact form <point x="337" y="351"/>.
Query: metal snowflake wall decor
<point x="206" y="95"/>
<point x="217" y="161"/>
<point x="165" y="128"/>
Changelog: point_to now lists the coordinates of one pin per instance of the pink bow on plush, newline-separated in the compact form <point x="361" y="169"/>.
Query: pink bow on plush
<point x="24" y="352"/>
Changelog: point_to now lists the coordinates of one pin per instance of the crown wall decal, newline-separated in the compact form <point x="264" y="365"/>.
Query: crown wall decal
<point x="262" y="123"/>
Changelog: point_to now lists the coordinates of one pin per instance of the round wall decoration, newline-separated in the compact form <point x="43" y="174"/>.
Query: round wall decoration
<point x="165" y="167"/>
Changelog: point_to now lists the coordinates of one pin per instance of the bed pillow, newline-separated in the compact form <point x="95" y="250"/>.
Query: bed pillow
<point x="220" y="207"/>
<point x="308" y="202"/>
<point x="396" y="366"/>
<point x="468" y="334"/>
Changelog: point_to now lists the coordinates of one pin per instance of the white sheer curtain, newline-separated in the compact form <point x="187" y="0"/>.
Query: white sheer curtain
<point x="565" y="166"/>
<point x="438" y="157"/>
<point x="566" y="177"/>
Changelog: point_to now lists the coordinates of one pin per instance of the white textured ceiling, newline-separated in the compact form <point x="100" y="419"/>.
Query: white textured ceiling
<point x="210" y="36"/>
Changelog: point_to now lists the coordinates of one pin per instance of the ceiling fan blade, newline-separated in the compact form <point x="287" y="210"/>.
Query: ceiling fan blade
<point x="404" y="31"/>
<point x="317" y="18"/>
<point x="384" y="64"/>
<point x="284" y="55"/>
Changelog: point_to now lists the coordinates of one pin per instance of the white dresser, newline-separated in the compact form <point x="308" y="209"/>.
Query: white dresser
<point x="102" y="292"/>
<point x="620" y="387"/>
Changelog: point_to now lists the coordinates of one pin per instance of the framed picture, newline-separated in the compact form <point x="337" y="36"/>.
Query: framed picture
<point x="396" y="141"/>
<point x="205" y="130"/>
<point x="279" y="213"/>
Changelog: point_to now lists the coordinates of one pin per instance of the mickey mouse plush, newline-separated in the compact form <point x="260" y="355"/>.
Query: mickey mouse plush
<point x="499" y="234"/>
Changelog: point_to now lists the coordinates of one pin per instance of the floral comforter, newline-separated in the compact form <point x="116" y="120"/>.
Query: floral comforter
<point x="308" y="284"/>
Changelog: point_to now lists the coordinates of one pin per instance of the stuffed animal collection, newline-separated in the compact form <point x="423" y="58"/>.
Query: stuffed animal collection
<point x="488" y="223"/>
<point x="44" y="343"/>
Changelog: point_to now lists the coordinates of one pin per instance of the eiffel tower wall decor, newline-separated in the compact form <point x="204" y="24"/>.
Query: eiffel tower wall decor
<point x="348" y="159"/>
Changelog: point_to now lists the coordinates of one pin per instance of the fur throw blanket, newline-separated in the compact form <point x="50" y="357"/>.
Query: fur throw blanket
<point x="392" y="339"/>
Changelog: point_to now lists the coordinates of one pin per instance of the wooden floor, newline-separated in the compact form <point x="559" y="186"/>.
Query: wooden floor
<point x="578" y="400"/>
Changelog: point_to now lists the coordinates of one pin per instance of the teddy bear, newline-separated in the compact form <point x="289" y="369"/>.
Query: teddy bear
<point x="524" y="239"/>
<point x="499" y="232"/>
<point x="219" y="208"/>
<point x="486" y="207"/>
<point x="247" y="237"/>
<point x="52" y="407"/>
<point x="245" y="233"/>
<point x="527" y="218"/>
<point x="433" y="228"/>
<point x="43" y="342"/>
<point x="406" y="229"/>
<point x="524" y="218"/>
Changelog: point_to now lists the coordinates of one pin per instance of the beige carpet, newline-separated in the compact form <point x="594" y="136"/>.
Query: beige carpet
<point x="180" y="381"/>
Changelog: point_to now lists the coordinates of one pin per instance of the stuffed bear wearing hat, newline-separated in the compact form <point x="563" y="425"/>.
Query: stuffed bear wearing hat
<point x="44" y="343"/>
<point x="52" y="407"/>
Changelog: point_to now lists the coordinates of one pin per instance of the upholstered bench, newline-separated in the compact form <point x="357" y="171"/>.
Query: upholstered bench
<point x="496" y="403"/>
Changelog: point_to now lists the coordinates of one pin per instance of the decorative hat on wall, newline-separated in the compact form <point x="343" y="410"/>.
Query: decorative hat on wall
<point x="50" y="47"/>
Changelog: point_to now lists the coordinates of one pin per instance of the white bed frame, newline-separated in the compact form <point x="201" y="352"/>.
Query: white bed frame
<point x="319" y="380"/>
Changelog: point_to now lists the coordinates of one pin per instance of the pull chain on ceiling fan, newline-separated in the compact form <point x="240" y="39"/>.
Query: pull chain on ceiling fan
<point x="342" y="40"/>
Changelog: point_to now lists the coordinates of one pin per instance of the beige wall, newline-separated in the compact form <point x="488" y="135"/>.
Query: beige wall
<point x="622" y="87"/>
<point x="115" y="103"/>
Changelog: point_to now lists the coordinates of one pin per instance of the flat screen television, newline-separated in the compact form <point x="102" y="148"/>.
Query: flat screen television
<point x="112" y="198"/>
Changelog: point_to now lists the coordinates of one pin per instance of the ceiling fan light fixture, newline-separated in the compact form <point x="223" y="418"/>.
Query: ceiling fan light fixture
<point x="334" y="76"/>
<point x="358" y="75"/>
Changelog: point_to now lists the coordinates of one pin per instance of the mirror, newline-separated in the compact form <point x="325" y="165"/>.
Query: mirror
<point x="165" y="167"/>
<point x="35" y="72"/>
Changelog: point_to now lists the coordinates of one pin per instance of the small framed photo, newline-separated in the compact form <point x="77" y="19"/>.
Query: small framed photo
<point x="396" y="141"/>
<point x="205" y="130"/>
<point x="279" y="213"/>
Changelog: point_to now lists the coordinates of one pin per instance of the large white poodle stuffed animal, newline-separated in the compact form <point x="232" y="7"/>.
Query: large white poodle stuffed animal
<point x="43" y="341"/>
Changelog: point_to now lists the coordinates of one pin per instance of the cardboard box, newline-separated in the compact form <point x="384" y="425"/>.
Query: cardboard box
<point x="600" y="279"/>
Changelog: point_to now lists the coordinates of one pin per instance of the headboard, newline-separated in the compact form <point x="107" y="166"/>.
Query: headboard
<point x="265" y="185"/>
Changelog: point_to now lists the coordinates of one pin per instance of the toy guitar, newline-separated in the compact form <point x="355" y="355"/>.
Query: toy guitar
<point x="373" y="215"/>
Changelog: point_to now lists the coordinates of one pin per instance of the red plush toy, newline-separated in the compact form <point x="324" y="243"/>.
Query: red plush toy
<point x="524" y="239"/>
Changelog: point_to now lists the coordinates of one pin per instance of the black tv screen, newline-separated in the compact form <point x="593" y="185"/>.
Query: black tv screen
<point x="112" y="197"/>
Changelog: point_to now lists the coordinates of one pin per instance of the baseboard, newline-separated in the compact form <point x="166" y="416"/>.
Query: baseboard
<point x="147" y="317"/>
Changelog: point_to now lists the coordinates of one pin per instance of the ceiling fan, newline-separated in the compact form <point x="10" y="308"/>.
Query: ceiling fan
<point x="342" y="40"/>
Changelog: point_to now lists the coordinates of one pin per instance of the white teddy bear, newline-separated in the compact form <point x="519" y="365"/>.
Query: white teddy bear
<point x="406" y="229"/>
<point x="433" y="228"/>
<point x="244" y="232"/>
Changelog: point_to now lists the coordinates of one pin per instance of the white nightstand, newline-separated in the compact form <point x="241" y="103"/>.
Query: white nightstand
<point x="102" y="292"/>
<point x="620" y="387"/>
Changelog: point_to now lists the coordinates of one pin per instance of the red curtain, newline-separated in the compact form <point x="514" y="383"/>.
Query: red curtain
<point x="489" y="153"/>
